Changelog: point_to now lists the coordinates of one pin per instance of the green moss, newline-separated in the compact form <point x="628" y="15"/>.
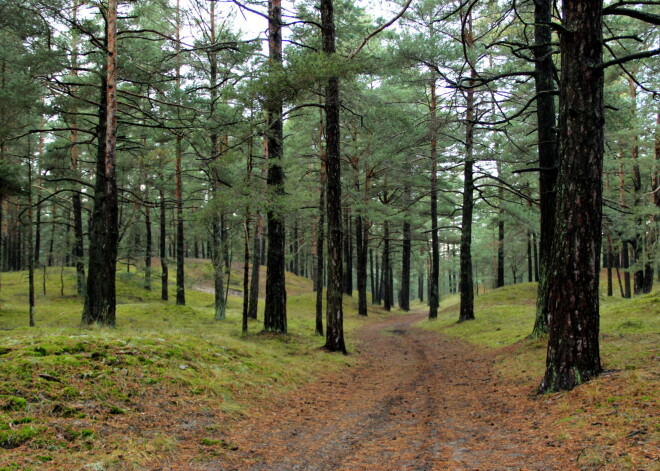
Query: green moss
<point x="12" y="403"/>
<point x="15" y="437"/>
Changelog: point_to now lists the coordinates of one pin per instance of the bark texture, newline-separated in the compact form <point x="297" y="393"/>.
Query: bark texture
<point x="100" y="298"/>
<point x="573" y="275"/>
<point x="275" y="311"/>
<point x="547" y="149"/>
<point x="335" y="314"/>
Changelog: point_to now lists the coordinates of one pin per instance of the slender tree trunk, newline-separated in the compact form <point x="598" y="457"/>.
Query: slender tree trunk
<point x="420" y="286"/>
<point x="530" y="265"/>
<point x="536" y="258"/>
<point x="500" y="232"/>
<point x="467" y="288"/>
<point x="148" y="246"/>
<point x="335" y="314"/>
<point x="362" y="238"/>
<point x="31" y="257"/>
<point x="100" y="298"/>
<point x="320" y="252"/>
<point x="373" y="276"/>
<point x="180" y="270"/>
<point x="256" y="259"/>
<point x="246" y="273"/>
<point x="218" y="270"/>
<point x="275" y="311"/>
<point x="347" y="281"/>
<point x="573" y="275"/>
<point x="405" y="270"/>
<point x="547" y="149"/>
<point x="434" y="279"/>
<point x="164" y="278"/>
<point x="387" y="288"/>
<point x="610" y="262"/>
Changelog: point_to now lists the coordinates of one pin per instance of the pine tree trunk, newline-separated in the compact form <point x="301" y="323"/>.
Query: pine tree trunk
<point x="320" y="251"/>
<point x="100" y="298"/>
<point x="547" y="149"/>
<point x="573" y="275"/>
<point x="256" y="259"/>
<point x="348" y="281"/>
<point x="275" y="311"/>
<point x="387" y="289"/>
<point x="362" y="237"/>
<point x="335" y="314"/>
<point x="372" y="276"/>
<point x="405" y="269"/>
<point x="246" y="273"/>
<point x="434" y="279"/>
<point x="148" y="247"/>
<point x="467" y="288"/>
<point x="500" y="232"/>
<point x="164" y="278"/>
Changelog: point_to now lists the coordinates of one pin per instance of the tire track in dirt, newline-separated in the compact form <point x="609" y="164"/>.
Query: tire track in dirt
<point x="419" y="401"/>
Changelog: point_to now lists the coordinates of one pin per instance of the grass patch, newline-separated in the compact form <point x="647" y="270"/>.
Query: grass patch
<point x="118" y="398"/>
<point x="614" y="416"/>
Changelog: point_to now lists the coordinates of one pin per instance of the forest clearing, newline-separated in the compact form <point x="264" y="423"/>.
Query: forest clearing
<point x="329" y="235"/>
<point x="175" y="390"/>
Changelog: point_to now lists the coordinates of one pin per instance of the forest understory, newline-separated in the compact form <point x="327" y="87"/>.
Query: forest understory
<point x="179" y="391"/>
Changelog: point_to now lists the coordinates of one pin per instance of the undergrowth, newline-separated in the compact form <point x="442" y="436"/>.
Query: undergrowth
<point x="614" y="417"/>
<point x="101" y="398"/>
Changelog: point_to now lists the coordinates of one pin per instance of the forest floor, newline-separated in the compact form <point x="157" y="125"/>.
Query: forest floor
<point x="416" y="400"/>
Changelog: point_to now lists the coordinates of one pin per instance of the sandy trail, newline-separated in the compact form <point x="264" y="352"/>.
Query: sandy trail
<point x="419" y="401"/>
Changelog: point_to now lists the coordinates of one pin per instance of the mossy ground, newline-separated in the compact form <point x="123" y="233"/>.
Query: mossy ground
<point x="101" y="398"/>
<point x="614" y="416"/>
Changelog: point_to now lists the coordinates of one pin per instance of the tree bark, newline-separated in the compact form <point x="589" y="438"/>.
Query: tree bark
<point x="335" y="314"/>
<point x="256" y="259"/>
<point x="100" y="298"/>
<point x="573" y="275"/>
<point x="405" y="269"/>
<point x="180" y="269"/>
<point x="275" y="311"/>
<point x="164" y="278"/>
<point x="547" y="149"/>
<point x="467" y="288"/>
<point x="434" y="279"/>
<point x="362" y="245"/>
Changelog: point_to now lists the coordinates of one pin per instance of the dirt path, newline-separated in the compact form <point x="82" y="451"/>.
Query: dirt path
<point x="419" y="402"/>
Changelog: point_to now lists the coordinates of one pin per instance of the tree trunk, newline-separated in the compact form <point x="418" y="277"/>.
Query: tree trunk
<point x="256" y="259"/>
<point x="275" y="311"/>
<point x="100" y="298"/>
<point x="372" y="276"/>
<point x="164" y="278"/>
<point x="500" y="232"/>
<point x="434" y="279"/>
<point x="348" y="254"/>
<point x="547" y="149"/>
<point x="148" y="247"/>
<point x="405" y="270"/>
<point x="387" y="288"/>
<point x="335" y="314"/>
<point x="610" y="262"/>
<point x="246" y="273"/>
<point x="467" y="289"/>
<point x="361" y="236"/>
<point x="30" y="246"/>
<point x="573" y="275"/>
<point x="180" y="271"/>
<point x="320" y="251"/>
<point x="218" y="271"/>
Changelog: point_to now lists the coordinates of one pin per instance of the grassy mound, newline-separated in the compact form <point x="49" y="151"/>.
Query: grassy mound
<point x="615" y="416"/>
<point x="125" y="398"/>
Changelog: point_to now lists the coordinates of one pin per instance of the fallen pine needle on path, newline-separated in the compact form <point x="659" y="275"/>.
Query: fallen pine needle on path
<point x="417" y="401"/>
